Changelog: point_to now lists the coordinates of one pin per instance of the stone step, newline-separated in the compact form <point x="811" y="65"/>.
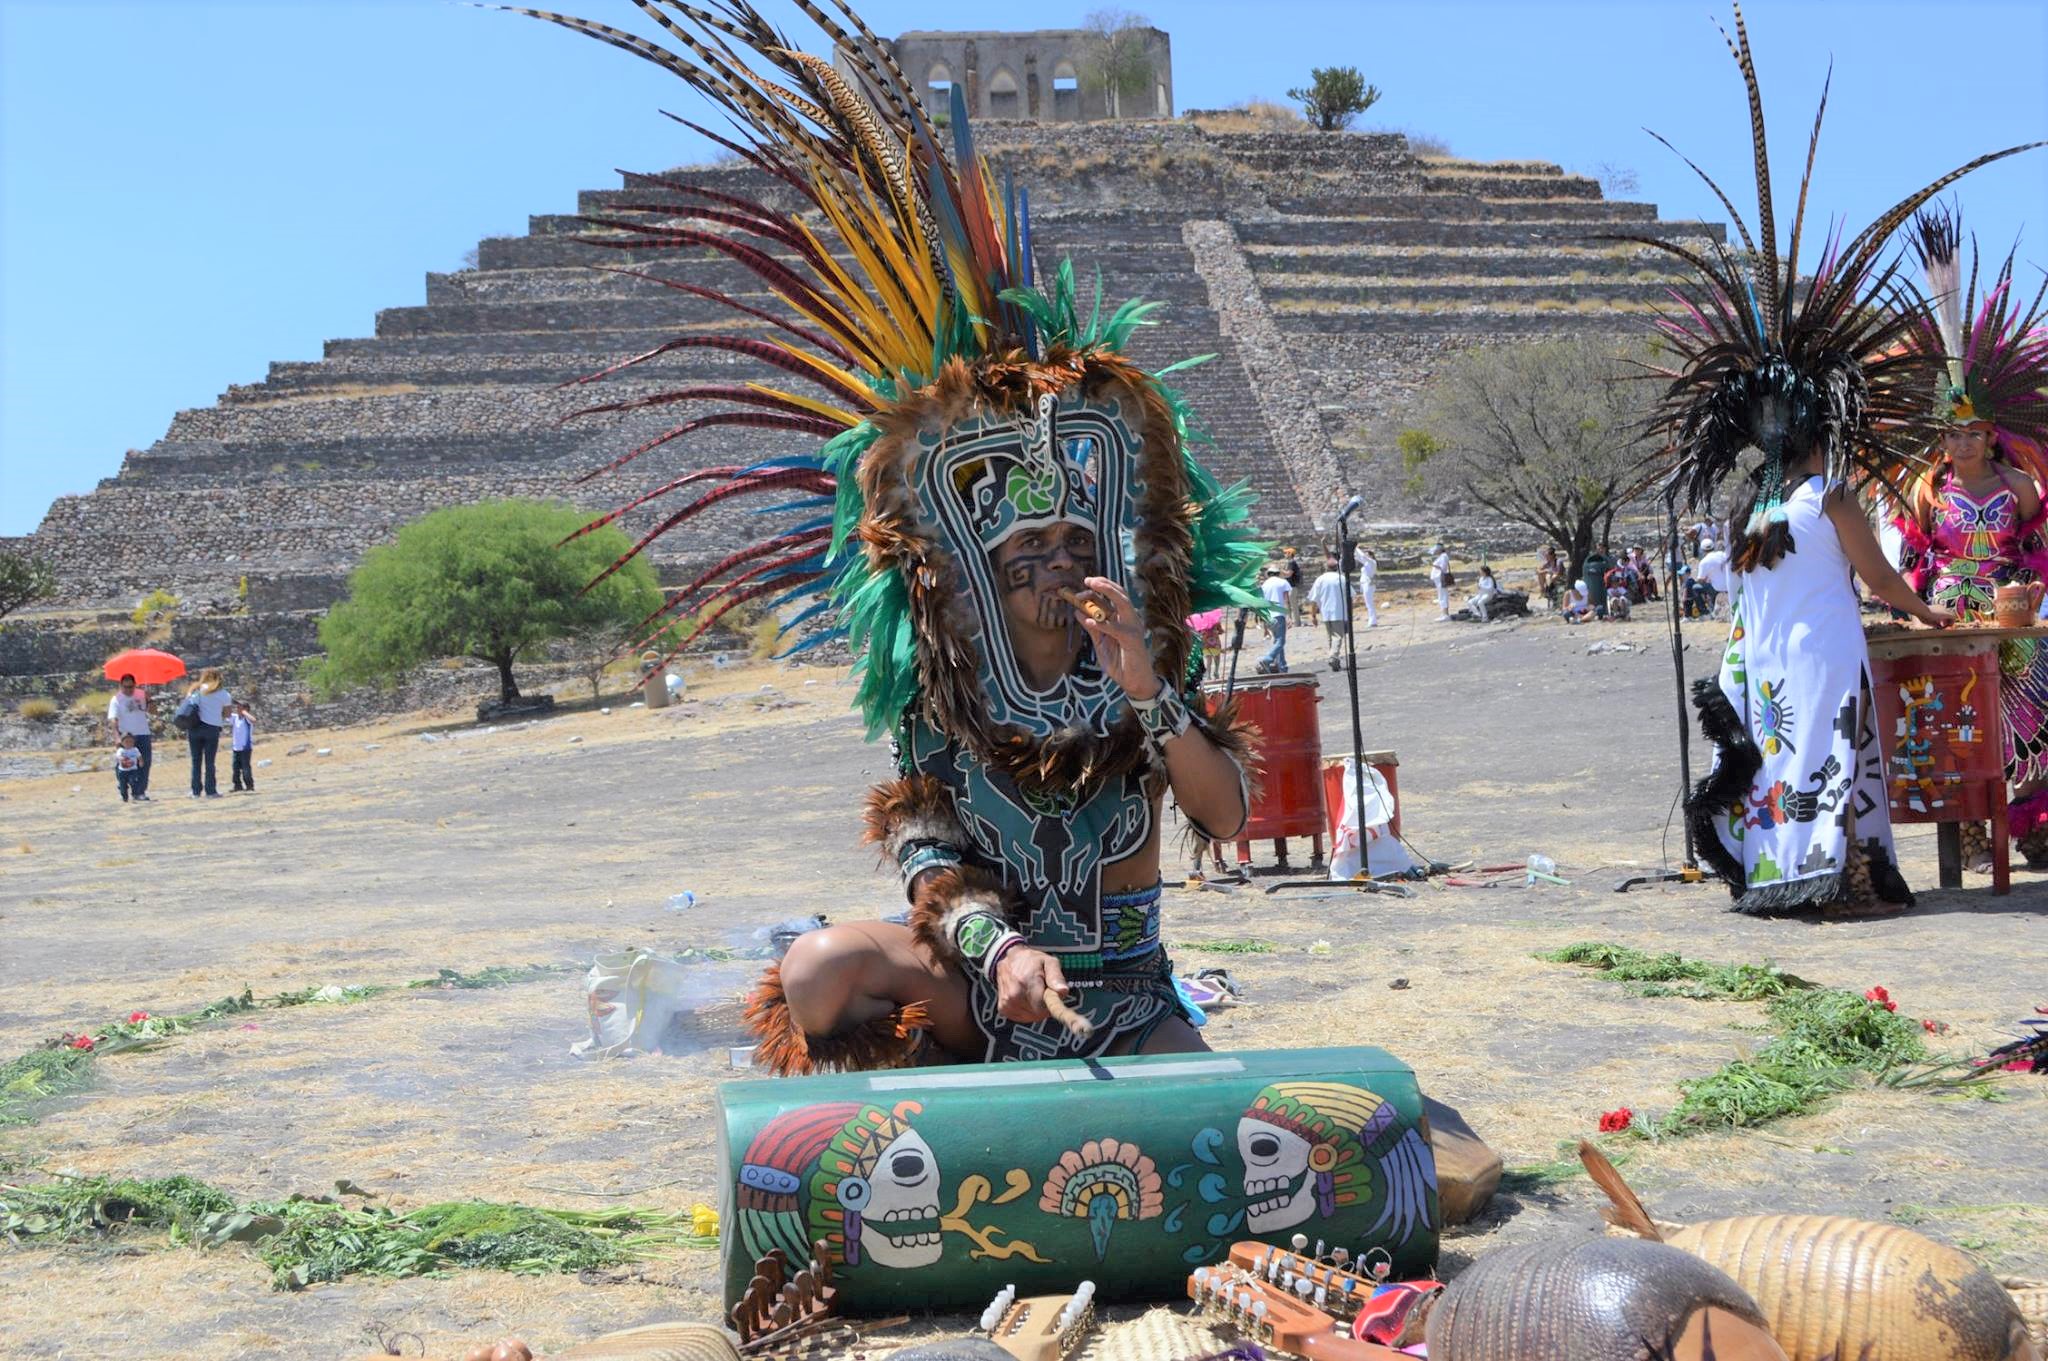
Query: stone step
<point x="1493" y="185"/>
<point x="1457" y="210"/>
<point x="1282" y="290"/>
<point x="1279" y="264"/>
<point x="1454" y="326"/>
<point x="1429" y="234"/>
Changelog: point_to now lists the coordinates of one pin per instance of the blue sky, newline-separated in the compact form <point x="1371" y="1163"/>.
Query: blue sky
<point x="191" y="190"/>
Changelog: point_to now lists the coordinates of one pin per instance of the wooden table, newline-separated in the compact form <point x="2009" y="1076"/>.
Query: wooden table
<point x="1938" y="715"/>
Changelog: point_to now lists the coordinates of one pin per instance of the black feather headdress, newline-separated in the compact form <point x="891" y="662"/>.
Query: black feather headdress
<point x="1761" y="359"/>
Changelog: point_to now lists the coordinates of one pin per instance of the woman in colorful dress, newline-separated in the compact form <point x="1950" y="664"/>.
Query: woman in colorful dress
<point x="1975" y="522"/>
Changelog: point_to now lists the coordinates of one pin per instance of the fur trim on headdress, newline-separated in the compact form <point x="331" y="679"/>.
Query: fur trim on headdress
<point x="951" y="686"/>
<point x="782" y="1048"/>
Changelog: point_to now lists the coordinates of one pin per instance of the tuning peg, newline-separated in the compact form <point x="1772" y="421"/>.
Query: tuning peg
<point x="1300" y="1242"/>
<point x="1340" y="1256"/>
<point x="1302" y="1286"/>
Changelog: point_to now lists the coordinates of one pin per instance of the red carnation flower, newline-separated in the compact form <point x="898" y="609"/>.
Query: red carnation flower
<point x="1882" y="998"/>
<point x="81" y="1042"/>
<point x="137" y="1017"/>
<point x="1614" y="1122"/>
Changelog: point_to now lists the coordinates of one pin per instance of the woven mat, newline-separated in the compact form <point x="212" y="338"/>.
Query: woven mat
<point x="1161" y="1334"/>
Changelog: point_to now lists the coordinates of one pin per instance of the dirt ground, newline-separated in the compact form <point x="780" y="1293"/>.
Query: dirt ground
<point x="416" y="846"/>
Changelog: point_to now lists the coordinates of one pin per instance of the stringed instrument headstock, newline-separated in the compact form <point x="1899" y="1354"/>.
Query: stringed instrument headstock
<point x="1276" y="1317"/>
<point x="1329" y="1281"/>
<point x="1041" y="1327"/>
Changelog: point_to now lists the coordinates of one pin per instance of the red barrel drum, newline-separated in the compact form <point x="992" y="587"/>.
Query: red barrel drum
<point x="1288" y="752"/>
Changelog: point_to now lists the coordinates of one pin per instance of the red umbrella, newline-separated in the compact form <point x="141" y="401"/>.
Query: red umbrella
<point x="146" y="664"/>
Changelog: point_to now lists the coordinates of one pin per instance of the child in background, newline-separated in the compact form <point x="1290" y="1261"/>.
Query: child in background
<point x="128" y="767"/>
<point x="242" y="749"/>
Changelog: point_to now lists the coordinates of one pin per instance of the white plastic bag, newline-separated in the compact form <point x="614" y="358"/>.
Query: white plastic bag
<point x="634" y="997"/>
<point x="1383" y="853"/>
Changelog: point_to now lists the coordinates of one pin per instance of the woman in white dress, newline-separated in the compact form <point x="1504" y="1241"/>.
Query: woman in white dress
<point x="1794" y="814"/>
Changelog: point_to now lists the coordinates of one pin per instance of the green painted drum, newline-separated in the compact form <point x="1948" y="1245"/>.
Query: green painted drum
<point x="936" y="1187"/>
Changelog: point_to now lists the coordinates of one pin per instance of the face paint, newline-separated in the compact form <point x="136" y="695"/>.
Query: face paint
<point x="1035" y="564"/>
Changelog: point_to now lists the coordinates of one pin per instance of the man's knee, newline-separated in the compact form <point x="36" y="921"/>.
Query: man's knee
<point x="823" y="972"/>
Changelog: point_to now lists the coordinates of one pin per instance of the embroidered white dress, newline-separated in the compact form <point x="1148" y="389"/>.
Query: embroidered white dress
<point x="1797" y="676"/>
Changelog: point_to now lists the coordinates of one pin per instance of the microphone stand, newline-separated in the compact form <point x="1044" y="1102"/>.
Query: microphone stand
<point x="1689" y="872"/>
<point x="1363" y="880"/>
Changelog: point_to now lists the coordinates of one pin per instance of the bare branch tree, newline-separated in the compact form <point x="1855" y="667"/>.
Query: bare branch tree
<point x="1547" y="434"/>
<point x="1119" y="60"/>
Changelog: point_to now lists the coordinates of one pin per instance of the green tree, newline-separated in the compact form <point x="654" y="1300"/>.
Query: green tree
<point x="1335" y="95"/>
<point x="23" y="581"/>
<point x="1119" y="59"/>
<point x="488" y="581"/>
<point x="1547" y="434"/>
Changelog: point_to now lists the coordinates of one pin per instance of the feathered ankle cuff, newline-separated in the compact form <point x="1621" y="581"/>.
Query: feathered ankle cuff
<point x="894" y="1040"/>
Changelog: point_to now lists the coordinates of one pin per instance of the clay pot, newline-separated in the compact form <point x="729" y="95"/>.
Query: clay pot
<point x="2013" y="605"/>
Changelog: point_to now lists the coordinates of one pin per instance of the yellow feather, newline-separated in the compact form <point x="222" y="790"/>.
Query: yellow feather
<point x="811" y="404"/>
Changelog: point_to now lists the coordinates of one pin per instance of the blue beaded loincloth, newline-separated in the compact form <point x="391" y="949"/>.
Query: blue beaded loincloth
<point x="1125" y="987"/>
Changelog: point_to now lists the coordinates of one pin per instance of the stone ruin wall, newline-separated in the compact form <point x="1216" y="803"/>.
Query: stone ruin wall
<point x="1326" y="273"/>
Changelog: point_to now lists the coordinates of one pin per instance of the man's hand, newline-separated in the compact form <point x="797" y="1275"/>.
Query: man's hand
<point x="1022" y="977"/>
<point x="1120" y="641"/>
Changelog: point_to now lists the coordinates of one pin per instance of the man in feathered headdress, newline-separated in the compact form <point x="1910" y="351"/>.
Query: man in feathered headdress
<point x="1814" y="383"/>
<point x="1007" y="523"/>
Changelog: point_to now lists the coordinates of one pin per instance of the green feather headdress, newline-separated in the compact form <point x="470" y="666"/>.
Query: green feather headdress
<point x="904" y="292"/>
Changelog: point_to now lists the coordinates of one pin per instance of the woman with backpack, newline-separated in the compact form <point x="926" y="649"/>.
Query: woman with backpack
<point x="202" y="714"/>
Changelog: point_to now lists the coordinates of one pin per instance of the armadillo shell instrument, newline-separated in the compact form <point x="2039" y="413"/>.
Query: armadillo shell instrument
<point x="656" y="1342"/>
<point x="1597" y="1299"/>
<point x="1854" y="1289"/>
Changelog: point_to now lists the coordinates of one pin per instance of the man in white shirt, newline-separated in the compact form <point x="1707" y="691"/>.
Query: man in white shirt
<point x="1712" y="573"/>
<point x="128" y="711"/>
<point x="1326" y="592"/>
<point x="1440" y="577"/>
<point x="1277" y="593"/>
<point x="1368" y="570"/>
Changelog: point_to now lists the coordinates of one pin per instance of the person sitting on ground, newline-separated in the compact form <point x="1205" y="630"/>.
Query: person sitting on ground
<point x="1620" y="589"/>
<point x="1327" y="595"/>
<point x="1549" y="574"/>
<point x="1488" y="590"/>
<point x="1646" y="577"/>
<point x="1574" y="605"/>
<point x="128" y="768"/>
<point x="1712" y="577"/>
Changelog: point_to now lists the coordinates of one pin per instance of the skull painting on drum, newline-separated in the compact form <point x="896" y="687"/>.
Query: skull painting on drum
<point x="1311" y="1148"/>
<point x="848" y="1175"/>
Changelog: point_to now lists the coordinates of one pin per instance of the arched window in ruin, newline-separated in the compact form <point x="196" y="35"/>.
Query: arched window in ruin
<point x="1066" y="92"/>
<point x="938" y="88"/>
<point x="1005" y="99"/>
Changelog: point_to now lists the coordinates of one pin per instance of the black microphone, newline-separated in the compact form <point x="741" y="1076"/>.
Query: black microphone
<point x="1350" y="508"/>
